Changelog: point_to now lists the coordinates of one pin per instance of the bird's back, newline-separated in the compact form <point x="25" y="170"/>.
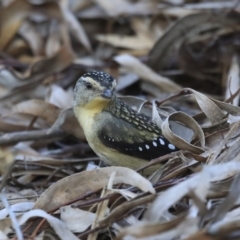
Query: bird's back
<point x="128" y="132"/>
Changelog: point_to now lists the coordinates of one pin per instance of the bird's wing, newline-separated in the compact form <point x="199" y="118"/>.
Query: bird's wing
<point x="140" y="139"/>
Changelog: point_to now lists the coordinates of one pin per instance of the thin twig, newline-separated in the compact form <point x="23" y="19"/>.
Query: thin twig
<point x="15" y="137"/>
<point x="158" y="160"/>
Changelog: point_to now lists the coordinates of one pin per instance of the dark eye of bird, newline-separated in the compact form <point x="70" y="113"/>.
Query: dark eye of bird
<point x="88" y="85"/>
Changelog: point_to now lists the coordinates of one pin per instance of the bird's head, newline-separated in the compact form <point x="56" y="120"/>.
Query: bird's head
<point x="94" y="88"/>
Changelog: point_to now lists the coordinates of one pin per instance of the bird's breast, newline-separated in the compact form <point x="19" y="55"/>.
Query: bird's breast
<point x="90" y="122"/>
<point x="86" y="119"/>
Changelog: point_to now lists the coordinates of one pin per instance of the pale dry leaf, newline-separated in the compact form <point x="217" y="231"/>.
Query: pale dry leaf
<point x="88" y="61"/>
<point x="228" y="203"/>
<point x="30" y="194"/>
<point x="38" y="173"/>
<point x="18" y="209"/>
<point x="230" y="220"/>
<point x="181" y="168"/>
<point x="211" y="110"/>
<point x="6" y="225"/>
<point x="92" y="12"/>
<point x="223" y="171"/>
<point x="76" y="220"/>
<point x="111" y="180"/>
<point x="114" y="8"/>
<point x="38" y="108"/>
<point x="12" y="216"/>
<point x="120" y="7"/>
<point x="60" y="193"/>
<point x="138" y="53"/>
<point x="6" y="160"/>
<point x="7" y="79"/>
<point x="17" y="47"/>
<point x="76" y="5"/>
<point x="182" y="131"/>
<point x="126" y="206"/>
<point x="59" y="97"/>
<point x="13" y="123"/>
<point x="178" y="12"/>
<point x="212" y="5"/>
<point x="125" y="80"/>
<point x="144" y="110"/>
<point x="74" y="25"/>
<point x="214" y="109"/>
<point x="214" y="139"/>
<point x="233" y="81"/>
<point x="231" y="153"/>
<point x="155" y="115"/>
<point x="229" y="108"/>
<point x="91" y="166"/>
<point x="125" y="193"/>
<point x="53" y="42"/>
<point x="3" y="236"/>
<point x="6" y="164"/>
<point x="212" y="159"/>
<point x="151" y="89"/>
<point x="15" y="198"/>
<point x="179" y="141"/>
<point x="123" y="41"/>
<point x="11" y="19"/>
<point x="68" y="122"/>
<point x="41" y="236"/>
<point x="25" y="59"/>
<point x="58" y="226"/>
<point x="32" y="36"/>
<point x="143" y="71"/>
<point x="142" y="27"/>
<point x="52" y="115"/>
<point x="47" y="66"/>
<point x="164" y="231"/>
<point x="173" y="37"/>
<point x="55" y="162"/>
<point x="25" y="179"/>
<point x="183" y="229"/>
<point x="102" y="206"/>
<point x="171" y="196"/>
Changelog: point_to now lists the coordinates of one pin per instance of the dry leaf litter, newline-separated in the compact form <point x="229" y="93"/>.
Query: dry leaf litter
<point x="176" y="61"/>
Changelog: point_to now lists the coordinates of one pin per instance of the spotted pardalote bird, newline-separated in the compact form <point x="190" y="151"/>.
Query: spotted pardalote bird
<point x="116" y="133"/>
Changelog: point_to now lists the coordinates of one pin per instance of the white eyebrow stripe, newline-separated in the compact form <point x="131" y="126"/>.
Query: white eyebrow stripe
<point x="92" y="81"/>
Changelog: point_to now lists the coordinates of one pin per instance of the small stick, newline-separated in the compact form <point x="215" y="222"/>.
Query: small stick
<point x="15" y="137"/>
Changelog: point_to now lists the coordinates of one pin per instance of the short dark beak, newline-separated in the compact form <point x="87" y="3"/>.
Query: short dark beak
<point x="107" y="93"/>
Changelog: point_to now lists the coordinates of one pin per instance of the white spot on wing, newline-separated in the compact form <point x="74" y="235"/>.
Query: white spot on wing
<point x="147" y="146"/>
<point x="170" y="146"/>
<point x="154" y="144"/>
<point x="161" y="141"/>
<point x="140" y="149"/>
